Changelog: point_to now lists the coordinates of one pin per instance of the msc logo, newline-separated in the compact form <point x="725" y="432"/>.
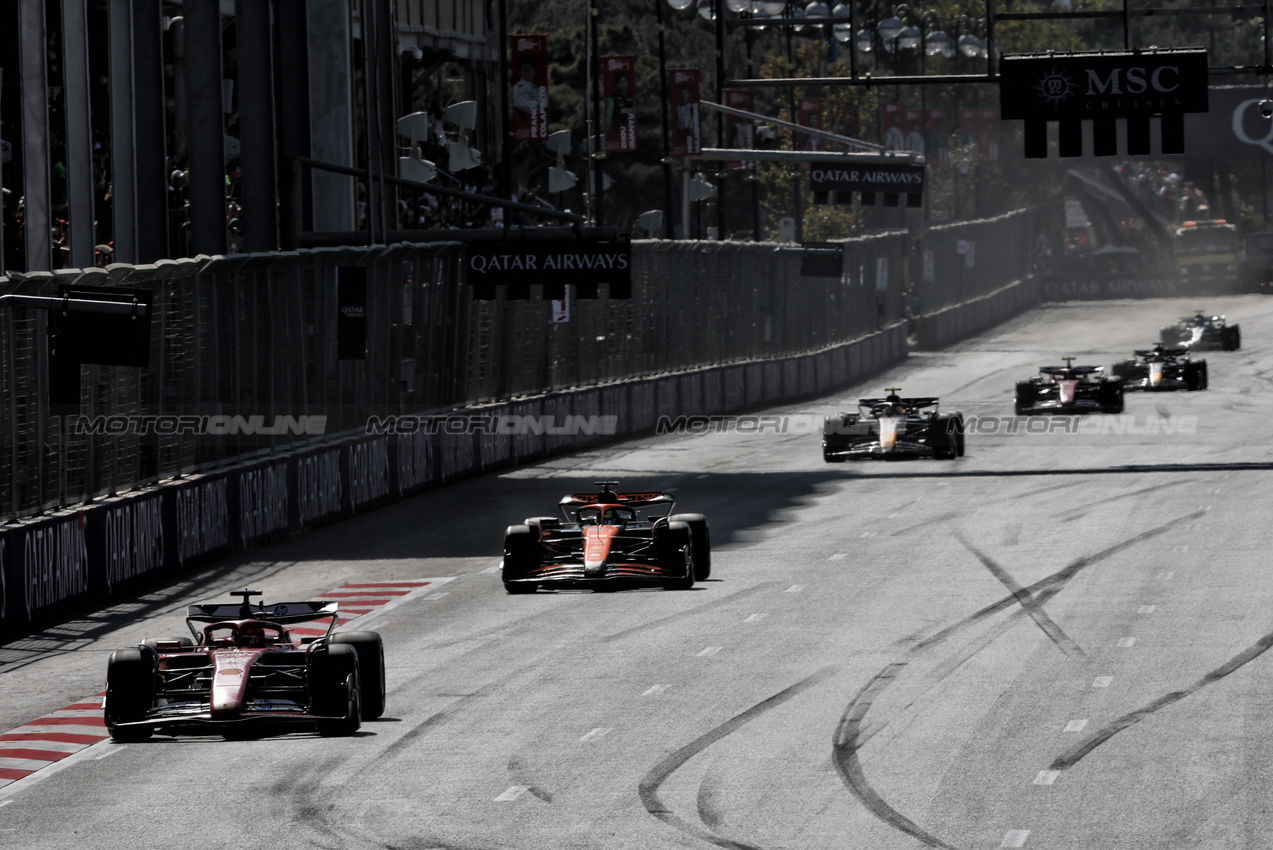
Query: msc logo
<point x="1055" y="86"/>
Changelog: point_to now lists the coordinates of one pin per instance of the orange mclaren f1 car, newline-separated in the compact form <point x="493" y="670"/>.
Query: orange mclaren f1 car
<point x="608" y="540"/>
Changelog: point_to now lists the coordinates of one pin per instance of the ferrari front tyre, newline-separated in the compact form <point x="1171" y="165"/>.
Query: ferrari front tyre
<point x="371" y="669"/>
<point x="1024" y="398"/>
<point x="334" y="690"/>
<point x="701" y="543"/>
<point x="674" y="545"/>
<point x="130" y="692"/>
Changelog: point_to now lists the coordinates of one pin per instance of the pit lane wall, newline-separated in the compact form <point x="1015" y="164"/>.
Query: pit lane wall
<point x="55" y="566"/>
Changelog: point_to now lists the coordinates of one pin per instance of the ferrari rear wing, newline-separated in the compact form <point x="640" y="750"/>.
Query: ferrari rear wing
<point x="619" y="498"/>
<point x="1169" y="352"/>
<point x="1082" y="370"/>
<point x="279" y="612"/>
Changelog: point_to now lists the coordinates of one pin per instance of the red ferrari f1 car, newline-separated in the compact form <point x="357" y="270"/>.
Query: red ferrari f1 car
<point x="603" y="542"/>
<point x="244" y="669"/>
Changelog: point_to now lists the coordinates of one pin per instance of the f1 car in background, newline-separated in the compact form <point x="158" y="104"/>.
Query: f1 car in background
<point x="1161" y="368"/>
<point x="1069" y="389"/>
<point x="1201" y="332"/>
<point x="602" y="541"/>
<point x="893" y="427"/>
<point x="245" y="669"/>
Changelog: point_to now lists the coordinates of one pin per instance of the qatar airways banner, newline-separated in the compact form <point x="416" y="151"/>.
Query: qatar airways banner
<point x="553" y="263"/>
<point x="902" y="179"/>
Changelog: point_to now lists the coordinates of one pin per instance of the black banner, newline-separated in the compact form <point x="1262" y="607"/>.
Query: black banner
<point x="101" y="338"/>
<point x="351" y="316"/>
<point x="552" y="263"/>
<point x="1055" y="86"/>
<point x="900" y="179"/>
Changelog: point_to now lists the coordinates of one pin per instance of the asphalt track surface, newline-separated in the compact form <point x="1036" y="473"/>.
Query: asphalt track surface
<point x="1057" y="641"/>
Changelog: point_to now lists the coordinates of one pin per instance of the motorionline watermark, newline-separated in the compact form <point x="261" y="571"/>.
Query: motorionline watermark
<point x="506" y="425"/>
<point x="203" y="425"/>
<point x="1093" y="425"/>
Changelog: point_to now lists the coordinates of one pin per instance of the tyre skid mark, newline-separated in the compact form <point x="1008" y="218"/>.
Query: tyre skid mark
<point x="648" y="788"/>
<point x="1027" y="600"/>
<point x="851" y="734"/>
<point x="1085" y="747"/>
<point x="1078" y="513"/>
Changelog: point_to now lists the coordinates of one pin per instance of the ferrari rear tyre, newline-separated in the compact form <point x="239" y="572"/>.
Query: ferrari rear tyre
<point x="701" y="543"/>
<point x="130" y="692"/>
<point x="674" y="545"/>
<point x="333" y="690"/>
<point x="371" y="669"/>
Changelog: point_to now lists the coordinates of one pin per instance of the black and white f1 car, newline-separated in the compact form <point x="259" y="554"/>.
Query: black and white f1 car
<point x="244" y="669"/>
<point x="1161" y="368"/>
<point x="1201" y="332"/>
<point x="1069" y="389"/>
<point x="602" y="541"/>
<point x="893" y="427"/>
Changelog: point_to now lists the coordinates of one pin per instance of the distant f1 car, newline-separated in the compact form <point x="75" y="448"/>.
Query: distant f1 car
<point x="893" y="427"/>
<point x="602" y="541"/>
<point x="1161" y="368"/>
<point x="1201" y="332"/>
<point x="244" y="669"/>
<point x="1069" y="389"/>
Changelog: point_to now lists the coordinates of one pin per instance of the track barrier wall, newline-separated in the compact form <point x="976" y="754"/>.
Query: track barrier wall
<point x="717" y="329"/>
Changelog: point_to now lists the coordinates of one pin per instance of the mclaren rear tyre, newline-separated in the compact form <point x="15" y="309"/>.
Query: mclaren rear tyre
<point x="675" y="546"/>
<point x="334" y="690"/>
<point x="130" y="692"/>
<point x="701" y="543"/>
<point x="371" y="669"/>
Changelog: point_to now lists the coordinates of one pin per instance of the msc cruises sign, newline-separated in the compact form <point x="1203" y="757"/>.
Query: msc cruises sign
<point x="1055" y="86"/>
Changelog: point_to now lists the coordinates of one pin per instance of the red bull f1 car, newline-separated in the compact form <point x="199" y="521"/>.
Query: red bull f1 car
<point x="244" y="670"/>
<point x="1201" y="332"/>
<point x="608" y="540"/>
<point x="1162" y="369"/>
<point x="893" y="428"/>
<point x="1069" y="389"/>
